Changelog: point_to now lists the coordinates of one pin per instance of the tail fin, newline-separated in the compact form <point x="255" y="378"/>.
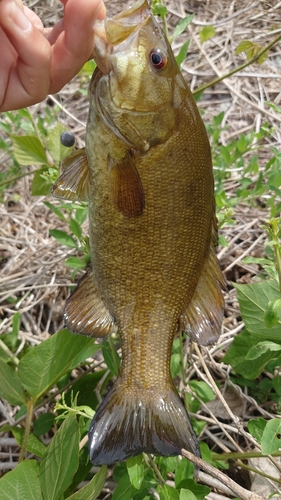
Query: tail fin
<point x="129" y="422"/>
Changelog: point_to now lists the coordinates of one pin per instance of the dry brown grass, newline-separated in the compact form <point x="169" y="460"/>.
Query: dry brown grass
<point x="32" y="263"/>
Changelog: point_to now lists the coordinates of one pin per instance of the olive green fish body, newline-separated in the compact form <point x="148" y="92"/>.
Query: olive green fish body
<point x="147" y="174"/>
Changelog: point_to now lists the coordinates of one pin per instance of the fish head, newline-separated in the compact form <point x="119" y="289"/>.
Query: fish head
<point x="138" y="86"/>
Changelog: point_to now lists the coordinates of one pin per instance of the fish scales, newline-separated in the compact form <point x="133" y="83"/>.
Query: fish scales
<point x="147" y="174"/>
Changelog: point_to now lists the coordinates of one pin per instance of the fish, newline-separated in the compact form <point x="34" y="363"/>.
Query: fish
<point x="146" y="172"/>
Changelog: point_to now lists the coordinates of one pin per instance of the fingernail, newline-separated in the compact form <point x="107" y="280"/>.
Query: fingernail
<point x="18" y="17"/>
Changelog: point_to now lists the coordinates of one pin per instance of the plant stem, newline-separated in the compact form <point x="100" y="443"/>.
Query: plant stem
<point x="28" y="420"/>
<point x="239" y="68"/>
<point x="242" y="456"/>
<point x="16" y="177"/>
<point x="151" y="463"/>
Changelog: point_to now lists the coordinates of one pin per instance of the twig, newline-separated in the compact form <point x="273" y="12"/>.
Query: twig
<point x="234" y="487"/>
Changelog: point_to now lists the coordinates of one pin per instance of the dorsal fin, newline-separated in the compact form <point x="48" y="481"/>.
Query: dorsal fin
<point x="203" y="317"/>
<point x="73" y="183"/>
<point x="126" y="186"/>
<point x="85" y="312"/>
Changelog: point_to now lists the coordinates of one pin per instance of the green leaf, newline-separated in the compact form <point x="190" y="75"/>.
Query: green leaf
<point x="262" y="348"/>
<point x="45" y="364"/>
<point x="256" y="427"/>
<point x="29" y="150"/>
<point x="11" y="388"/>
<point x="56" y="210"/>
<point x="63" y="238"/>
<point x="202" y="390"/>
<point x="43" y="423"/>
<point x="187" y="495"/>
<point x="269" y="441"/>
<point x="75" y="263"/>
<point x="55" y="147"/>
<point x="206" y="33"/>
<point x="175" y="364"/>
<point x="34" y="445"/>
<point x="198" y="491"/>
<point x="61" y="460"/>
<point x="253" y="301"/>
<point x="181" y="26"/>
<point x="244" y="46"/>
<point x="271" y="316"/>
<point x="181" y="56"/>
<point x="159" y="9"/>
<point x="124" y="489"/>
<point x="92" y="490"/>
<point x="111" y="357"/>
<point x="40" y="186"/>
<point x="236" y="355"/>
<point x="167" y="493"/>
<point x="75" y="228"/>
<point x="184" y="471"/>
<point x="135" y="469"/>
<point x="22" y="483"/>
<point x="15" y="328"/>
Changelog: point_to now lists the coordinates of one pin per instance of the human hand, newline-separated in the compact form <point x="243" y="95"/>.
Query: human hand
<point x="34" y="61"/>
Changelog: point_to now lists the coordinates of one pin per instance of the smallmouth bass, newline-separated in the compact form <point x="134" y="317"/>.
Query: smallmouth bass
<point x="146" y="172"/>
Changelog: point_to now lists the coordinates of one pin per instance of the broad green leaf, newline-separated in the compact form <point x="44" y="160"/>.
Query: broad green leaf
<point x="55" y="147"/>
<point x="43" y="423"/>
<point x="124" y="489"/>
<point x="253" y="300"/>
<point x="135" y="469"/>
<point x="184" y="471"/>
<point x="40" y="186"/>
<point x="75" y="228"/>
<point x="92" y="490"/>
<point x="243" y="46"/>
<point x="256" y="427"/>
<point x="60" y="461"/>
<point x="167" y="493"/>
<point x="187" y="495"/>
<point x="22" y="483"/>
<point x="206" y="33"/>
<point x="202" y="390"/>
<point x="45" y="364"/>
<point x="271" y="315"/>
<point x="11" y="388"/>
<point x="75" y="263"/>
<point x="269" y="441"/>
<point x="262" y="348"/>
<point x="199" y="491"/>
<point x="63" y="238"/>
<point x="182" y="25"/>
<point x="111" y="357"/>
<point x="175" y="364"/>
<point x="181" y="56"/>
<point x="236" y="356"/>
<point x="34" y="445"/>
<point x="29" y="150"/>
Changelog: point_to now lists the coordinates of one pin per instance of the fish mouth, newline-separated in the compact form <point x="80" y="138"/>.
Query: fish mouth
<point x="112" y="32"/>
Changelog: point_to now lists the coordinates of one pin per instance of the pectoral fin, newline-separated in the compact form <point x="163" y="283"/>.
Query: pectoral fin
<point x="203" y="318"/>
<point x="73" y="184"/>
<point x="85" y="312"/>
<point x="126" y="186"/>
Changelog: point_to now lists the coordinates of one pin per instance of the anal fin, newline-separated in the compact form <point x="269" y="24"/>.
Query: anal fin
<point x="73" y="183"/>
<point x="203" y="317"/>
<point x="85" y="312"/>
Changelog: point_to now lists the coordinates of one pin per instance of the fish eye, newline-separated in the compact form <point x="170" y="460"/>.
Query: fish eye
<point x="158" y="59"/>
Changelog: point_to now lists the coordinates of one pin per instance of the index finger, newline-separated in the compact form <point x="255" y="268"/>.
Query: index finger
<point x="74" y="45"/>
